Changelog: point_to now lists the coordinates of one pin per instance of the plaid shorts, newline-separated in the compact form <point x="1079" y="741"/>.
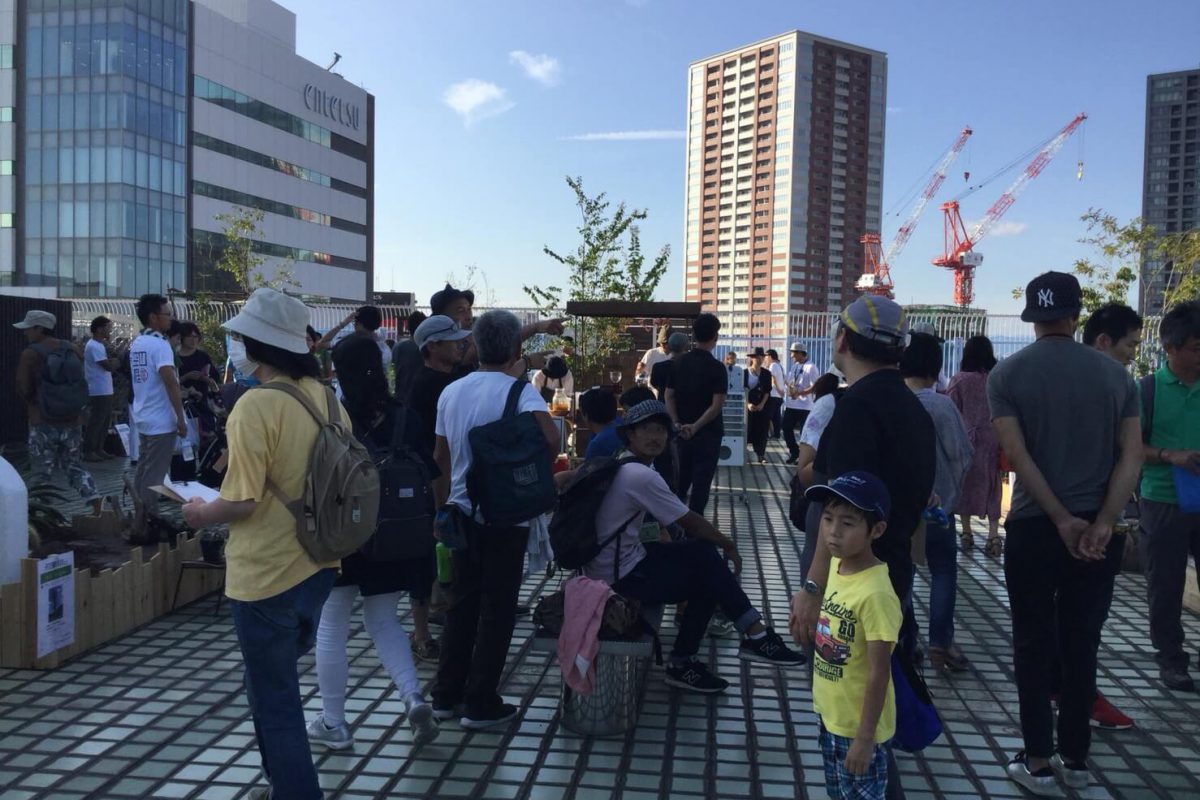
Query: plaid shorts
<point x="840" y="784"/>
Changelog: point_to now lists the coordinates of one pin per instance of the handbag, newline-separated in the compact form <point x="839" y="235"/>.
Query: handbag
<point x="917" y="722"/>
<point x="622" y="615"/>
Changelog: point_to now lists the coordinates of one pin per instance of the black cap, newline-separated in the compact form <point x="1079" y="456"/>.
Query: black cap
<point x="446" y="296"/>
<point x="1052" y="296"/>
<point x="757" y="353"/>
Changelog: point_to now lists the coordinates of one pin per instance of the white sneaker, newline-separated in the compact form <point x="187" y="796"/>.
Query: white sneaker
<point x="1074" y="775"/>
<point x="1040" y="783"/>
<point x="336" y="738"/>
<point x="420" y="719"/>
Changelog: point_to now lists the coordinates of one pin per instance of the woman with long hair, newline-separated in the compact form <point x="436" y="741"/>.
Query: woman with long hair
<point x="981" y="489"/>
<point x="373" y="416"/>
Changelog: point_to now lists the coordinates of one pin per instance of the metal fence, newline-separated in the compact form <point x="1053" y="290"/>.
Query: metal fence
<point x="814" y="330"/>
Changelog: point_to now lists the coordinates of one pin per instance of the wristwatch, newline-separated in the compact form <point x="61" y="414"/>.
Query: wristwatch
<point x="811" y="587"/>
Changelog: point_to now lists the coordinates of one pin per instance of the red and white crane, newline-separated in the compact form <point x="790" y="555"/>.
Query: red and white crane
<point x="876" y="277"/>
<point x="958" y="253"/>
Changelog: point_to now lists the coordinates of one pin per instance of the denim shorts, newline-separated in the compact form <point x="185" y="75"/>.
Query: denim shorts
<point x="839" y="783"/>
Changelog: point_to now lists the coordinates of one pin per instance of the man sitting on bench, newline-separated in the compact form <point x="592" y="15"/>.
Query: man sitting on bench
<point x="655" y="571"/>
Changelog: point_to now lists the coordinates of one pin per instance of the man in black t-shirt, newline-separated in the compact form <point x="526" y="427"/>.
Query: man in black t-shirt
<point x="695" y="398"/>
<point x="660" y="373"/>
<point x="881" y="427"/>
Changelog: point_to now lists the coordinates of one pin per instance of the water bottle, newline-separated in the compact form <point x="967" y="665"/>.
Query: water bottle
<point x="445" y="564"/>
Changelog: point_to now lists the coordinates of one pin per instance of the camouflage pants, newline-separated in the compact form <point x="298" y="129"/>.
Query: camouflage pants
<point x="59" y="446"/>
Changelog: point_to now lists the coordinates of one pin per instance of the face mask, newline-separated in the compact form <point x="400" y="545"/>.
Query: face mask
<point x="241" y="363"/>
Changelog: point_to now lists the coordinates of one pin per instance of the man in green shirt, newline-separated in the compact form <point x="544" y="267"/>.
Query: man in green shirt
<point x="1171" y="431"/>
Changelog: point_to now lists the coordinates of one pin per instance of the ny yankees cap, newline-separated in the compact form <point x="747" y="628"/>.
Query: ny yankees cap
<point x="1052" y="296"/>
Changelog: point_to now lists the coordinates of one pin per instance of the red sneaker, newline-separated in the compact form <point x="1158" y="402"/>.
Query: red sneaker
<point x="1105" y="716"/>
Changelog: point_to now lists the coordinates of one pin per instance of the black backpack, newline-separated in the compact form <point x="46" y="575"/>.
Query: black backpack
<point x="406" y="507"/>
<point x="510" y="480"/>
<point x="62" y="390"/>
<point x="573" y="534"/>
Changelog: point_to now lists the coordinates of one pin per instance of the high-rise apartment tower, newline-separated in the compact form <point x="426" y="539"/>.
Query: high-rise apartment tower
<point x="784" y="174"/>
<point x="1171" y="172"/>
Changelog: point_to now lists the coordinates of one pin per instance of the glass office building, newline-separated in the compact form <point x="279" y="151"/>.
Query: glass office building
<point x="104" y="195"/>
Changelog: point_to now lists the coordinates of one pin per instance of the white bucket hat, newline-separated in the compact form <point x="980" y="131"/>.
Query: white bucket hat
<point x="273" y="318"/>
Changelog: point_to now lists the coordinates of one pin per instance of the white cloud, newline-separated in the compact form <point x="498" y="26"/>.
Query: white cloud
<point x="542" y="68"/>
<point x="626" y="136"/>
<point x="474" y="100"/>
<point x="1008" y="228"/>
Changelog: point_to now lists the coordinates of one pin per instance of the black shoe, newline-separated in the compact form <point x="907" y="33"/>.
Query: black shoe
<point x="442" y="712"/>
<point x="491" y="718"/>
<point x="694" y="677"/>
<point x="522" y="610"/>
<point x="769" y="649"/>
<point x="792" y="460"/>
<point x="1177" y="679"/>
<point x="437" y="618"/>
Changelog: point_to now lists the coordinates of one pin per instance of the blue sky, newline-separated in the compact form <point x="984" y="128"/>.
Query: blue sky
<point x="477" y="103"/>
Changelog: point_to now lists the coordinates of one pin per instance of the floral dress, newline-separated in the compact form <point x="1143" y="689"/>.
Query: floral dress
<point x="981" y="490"/>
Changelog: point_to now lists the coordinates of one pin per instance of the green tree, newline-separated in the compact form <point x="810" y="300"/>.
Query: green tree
<point x="1120" y="249"/>
<point x="608" y="264"/>
<point x="237" y="271"/>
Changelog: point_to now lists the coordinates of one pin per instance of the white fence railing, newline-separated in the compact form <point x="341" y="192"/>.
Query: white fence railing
<point x="814" y="330"/>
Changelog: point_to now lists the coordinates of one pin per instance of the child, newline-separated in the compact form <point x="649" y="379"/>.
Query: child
<point x="856" y="631"/>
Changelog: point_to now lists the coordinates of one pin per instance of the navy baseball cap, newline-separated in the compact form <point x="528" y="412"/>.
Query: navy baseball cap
<point x="859" y="488"/>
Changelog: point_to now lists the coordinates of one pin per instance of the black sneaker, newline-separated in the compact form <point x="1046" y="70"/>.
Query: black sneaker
<point x="1040" y="783"/>
<point x="694" y="677"/>
<point x="490" y="718"/>
<point x="770" y="649"/>
<point x="791" y="460"/>
<point x="1177" y="679"/>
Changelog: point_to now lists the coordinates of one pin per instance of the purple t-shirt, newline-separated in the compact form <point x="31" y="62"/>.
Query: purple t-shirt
<point x="636" y="492"/>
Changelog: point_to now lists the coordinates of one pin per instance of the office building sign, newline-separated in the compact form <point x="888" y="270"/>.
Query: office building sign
<point x="332" y="106"/>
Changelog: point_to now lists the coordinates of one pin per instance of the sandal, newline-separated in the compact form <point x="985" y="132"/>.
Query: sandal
<point x="948" y="659"/>
<point x="966" y="542"/>
<point x="994" y="547"/>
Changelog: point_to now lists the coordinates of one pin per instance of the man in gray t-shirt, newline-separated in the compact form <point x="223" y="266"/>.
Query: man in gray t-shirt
<point x="1067" y="418"/>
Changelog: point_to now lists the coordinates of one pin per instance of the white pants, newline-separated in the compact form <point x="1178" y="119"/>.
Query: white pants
<point x="389" y="636"/>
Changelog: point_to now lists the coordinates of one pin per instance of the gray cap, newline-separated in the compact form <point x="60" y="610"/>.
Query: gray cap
<point x="798" y="348"/>
<point x="643" y="411"/>
<point x="677" y="342"/>
<point x="438" y="328"/>
<point x="878" y="319"/>
<point x="37" y="319"/>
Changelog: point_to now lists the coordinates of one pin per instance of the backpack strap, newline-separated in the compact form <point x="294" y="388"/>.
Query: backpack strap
<point x="514" y="395"/>
<point x="335" y="417"/>
<point x="1147" y="386"/>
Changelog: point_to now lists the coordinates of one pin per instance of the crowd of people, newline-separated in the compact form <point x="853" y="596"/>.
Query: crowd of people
<point x="891" y="465"/>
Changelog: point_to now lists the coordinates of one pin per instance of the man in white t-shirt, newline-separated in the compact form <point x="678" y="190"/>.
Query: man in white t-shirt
<point x="653" y="571"/>
<point x="654" y="355"/>
<point x="98" y="368"/>
<point x="487" y="574"/>
<point x="778" y="389"/>
<point x="797" y="401"/>
<point x="157" y="405"/>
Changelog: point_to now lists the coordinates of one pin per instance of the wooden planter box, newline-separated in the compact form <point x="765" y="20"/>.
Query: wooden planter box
<point x="108" y="604"/>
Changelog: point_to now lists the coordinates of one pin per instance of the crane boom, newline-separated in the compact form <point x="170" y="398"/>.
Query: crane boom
<point x="931" y="190"/>
<point x="958" y="251"/>
<point x="1031" y="171"/>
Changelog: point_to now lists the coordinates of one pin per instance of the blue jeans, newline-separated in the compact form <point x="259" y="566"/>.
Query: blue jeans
<point x="273" y="634"/>
<point x="941" y="553"/>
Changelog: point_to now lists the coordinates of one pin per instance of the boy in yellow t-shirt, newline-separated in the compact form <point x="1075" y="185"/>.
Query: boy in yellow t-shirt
<point x="856" y="631"/>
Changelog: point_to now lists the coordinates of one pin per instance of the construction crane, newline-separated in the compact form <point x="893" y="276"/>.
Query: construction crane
<point x="958" y="252"/>
<point x="877" y="277"/>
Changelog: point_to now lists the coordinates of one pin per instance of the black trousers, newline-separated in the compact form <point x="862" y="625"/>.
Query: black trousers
<point x="793" y="418"/>
<point x="697" y="464"/>
<point x="1059" y="605"/>
<point x="757" y="423"/>
<point x="1168" y="537"/>
<point x="774" y="411"/>
<point x="480" y="618"/>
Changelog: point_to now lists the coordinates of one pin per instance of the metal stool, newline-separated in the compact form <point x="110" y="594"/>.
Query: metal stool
<point x="201" y="565"/>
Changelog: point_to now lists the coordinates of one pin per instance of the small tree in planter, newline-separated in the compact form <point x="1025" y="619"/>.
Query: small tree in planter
<point x="607" y="265"/>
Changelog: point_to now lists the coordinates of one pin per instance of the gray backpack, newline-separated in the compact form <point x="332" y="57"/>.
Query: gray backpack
<point x="62" y="389"/>
<point x="337" y="513"/>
